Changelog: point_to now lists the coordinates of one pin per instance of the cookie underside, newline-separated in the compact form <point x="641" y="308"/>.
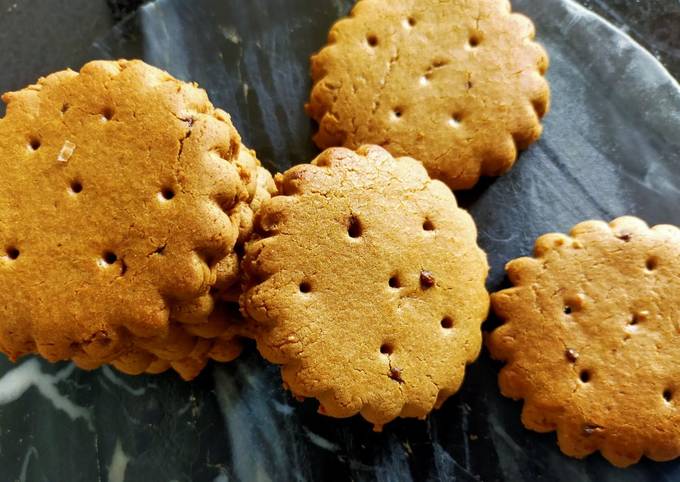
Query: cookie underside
<point x="131" y="227"/>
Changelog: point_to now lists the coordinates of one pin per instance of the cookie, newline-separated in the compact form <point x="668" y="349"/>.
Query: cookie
<point x="188" y="347"/>
<point x="120" y="195"/>
<point x="365" y="282"/>
<point x="591" y="339"/>
<point x="456" y="84"/>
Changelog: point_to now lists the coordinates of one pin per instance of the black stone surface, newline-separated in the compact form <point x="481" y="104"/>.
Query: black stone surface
<point x="655" y="24"/>
<point x="611" y="147"/>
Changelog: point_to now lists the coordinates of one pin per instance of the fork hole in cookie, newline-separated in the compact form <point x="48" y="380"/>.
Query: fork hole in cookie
<point x="428" y="225"/>
<point x="13" y="253"/>
<point x="447" y="322"/>
<point x="65" y="107"/>
<point x="474" y="40"/>
<point x="107" y="113"/>
<point x="109" y="257"/>
<point x="167" y="193"/>
<point x="394" y="282"/>
<point x="76" y="187"/>
<point x="410" y="22"/>
<point x="652" y="263"/>
<point x="635" y="319"/>
<point x="456" y="119"/>
<point x="568" y="310"/>
<point x="584" y="376"/>
<point x="372" y="40"/>
<point x="34" y="143"/>
<point x="386" y="349"/>
<point x="397" y="112"/>
<point x="305" y="287"/>
<point x="668" y="395"/>
<point x="354" y="228"/>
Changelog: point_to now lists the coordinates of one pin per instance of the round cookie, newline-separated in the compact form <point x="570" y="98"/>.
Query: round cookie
<point x="456" y="84"/>
<point x="592" y="339"/>
<point x="120" y="194"/>
<point x="365" y="282"/>
<point x="188" y="347"/>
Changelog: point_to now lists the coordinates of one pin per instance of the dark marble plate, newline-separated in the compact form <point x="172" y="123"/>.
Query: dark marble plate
<point x="611" y="147"/>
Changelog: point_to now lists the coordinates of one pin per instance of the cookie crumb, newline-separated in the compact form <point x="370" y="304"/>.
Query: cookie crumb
<point x="571" y="354"/>
<point x="66" y="151"/>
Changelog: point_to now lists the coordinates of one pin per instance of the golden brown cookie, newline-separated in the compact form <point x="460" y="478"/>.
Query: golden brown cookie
<point x="592" y="339"/>
<point x="120" y="194"/>
<point x="366" y="284"/>
<point x="187" y="347"/>
<point x="457" y="84"/>
<point x="261" y="187"/>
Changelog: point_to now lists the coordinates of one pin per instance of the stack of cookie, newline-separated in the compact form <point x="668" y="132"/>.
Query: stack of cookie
<point x="124" y="196"/>
<point x="188" y="346"/>
<point x="137" y="230"/>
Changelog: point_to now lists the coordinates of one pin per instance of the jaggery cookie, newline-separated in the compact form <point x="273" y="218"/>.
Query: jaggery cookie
<point x="186" y="348"/>
<point x="366" y="285"/>
<point x="119" y="195"/>
<point x="456" y="84"/>
<point x="592" y="339"/>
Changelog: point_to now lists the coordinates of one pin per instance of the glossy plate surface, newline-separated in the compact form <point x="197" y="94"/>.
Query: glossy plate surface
<point x="611" y="147"/>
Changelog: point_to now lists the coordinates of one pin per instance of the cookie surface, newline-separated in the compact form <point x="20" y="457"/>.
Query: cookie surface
<point x="456" y="84"/>
<point x="592" y="339"/>
<point x="119" y="196"/>
<point x="367" y="285"/>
